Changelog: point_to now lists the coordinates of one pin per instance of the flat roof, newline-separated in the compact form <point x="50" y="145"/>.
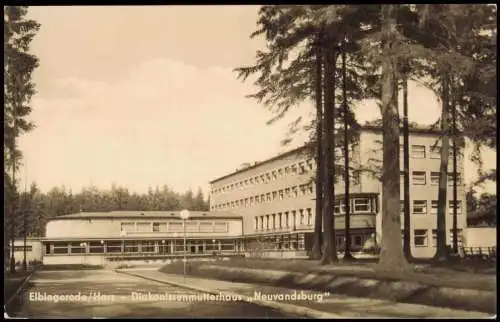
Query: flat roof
<point x="149" y="215"/>
<point x="420" y="129"/>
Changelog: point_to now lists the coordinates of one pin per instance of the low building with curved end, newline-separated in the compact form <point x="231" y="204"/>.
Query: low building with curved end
<point x="97" y="238"/>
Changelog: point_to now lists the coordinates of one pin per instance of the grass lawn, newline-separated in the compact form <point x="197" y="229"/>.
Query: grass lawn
<point x="11" y="283"/>
<point x="437" y="276"/>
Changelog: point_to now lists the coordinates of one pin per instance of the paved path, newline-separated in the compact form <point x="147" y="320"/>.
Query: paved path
<point x="101" y="293"/>
<point x="320" y="304"/>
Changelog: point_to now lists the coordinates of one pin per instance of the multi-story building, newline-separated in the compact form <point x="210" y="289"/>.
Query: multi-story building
<point x="276" y="197"/>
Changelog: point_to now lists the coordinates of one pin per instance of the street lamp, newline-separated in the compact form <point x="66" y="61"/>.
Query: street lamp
<point x="163" y="247"/>
<point x="84" y="245"/>
<point x="184" y="216"/>
<point x="123" y="233"/>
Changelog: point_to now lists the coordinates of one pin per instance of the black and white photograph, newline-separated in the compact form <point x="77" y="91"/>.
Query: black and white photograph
<point x="250" y="161"/>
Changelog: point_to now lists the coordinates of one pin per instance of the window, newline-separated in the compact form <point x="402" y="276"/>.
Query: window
<point x="434" y="178"/>
<point x="293" y="169"/>
<point x="268" y="197"/>
<point x="273" y="222"/>
<point x="419" y="206"/>
<point x="246" y="182"/>
<point x="251" y="181"/>
<point x="208" y="227"/>
<point x="158" y="227"/>
<point x="251" y="201"/>
<point x="309" y="217"/>
<point x="262" y="222"/>
<point x="287" y="170"/>
<point x="268" y="177"/>
<point x="262" y="198"/>
<point x="451" y="206"/>
<point x="128" y="227"/>
<point x="256" y="223"/>
<point x="434" y="237"/>
<point x="286" y="220"/>
<point x="418" y="151"/>
<point x="435" y="152"/>
<point x="303" y="189"/>
<point x="295" y="192"/>
<point x="434" y="207"/>
<point x="340" y="240"/>
<point x="294" y="218"/>
<point x="357" y="240"/>
<point x="220" y="227"/>
<point x="302" y="168"/>
<point x="175" y="227"/>
<point x="420" y="237"/>
<point x="29" y="248"/>
<point x="361" y="205"/>
<point x="281" y="194"/>
<point x="274" y="175"/>
<point x="78" y="248"/>
<point x="310" y="165"/>
<point x="339" y="207"/>
<point x="459" y="237"/>
<point x="301" y="216"/>
<point x="287" y="192"/>
<point x="257" y="200"/>
<point x="451" y="179"/>
<point x="280" y="220"/>
<point x="246" y="202"/>
<point x="280" y="173"/>
<point x="310" y="188"/>
<point x="143" y="227"/>
<point x="418" y="177"/>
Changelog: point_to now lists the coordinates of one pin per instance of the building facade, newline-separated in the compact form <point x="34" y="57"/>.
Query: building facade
<point x="97" y="238"/>
<point x="276" y="197"/>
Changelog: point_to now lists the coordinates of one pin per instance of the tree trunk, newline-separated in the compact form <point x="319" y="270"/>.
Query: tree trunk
<point x="347" y="199"/>
<point x="330" y="251"/>
<point x="391" y="255"/>
<point x="455" y="170"/>
<point x="441" y="253"/>
<point x="318" y="220"/>
<point x="406" y="161"/>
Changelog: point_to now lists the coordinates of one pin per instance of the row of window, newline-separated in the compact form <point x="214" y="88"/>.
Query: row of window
<point x="174" y="226"/>
<point x="421" y="206"/>
<point x="416" y="152"/>
<point x="292" y="192"/>
<point x="419" y="178"/>
<point x="29" y="248"/>
<point x="421" y="239"/>
<point x="277" y="243"/>
<point x="356" y="205"/>
<point x="420" y="151"/>
<point x="154" y="247"/>
<point x="284" y="219"/>
<point x="300" y="167"/>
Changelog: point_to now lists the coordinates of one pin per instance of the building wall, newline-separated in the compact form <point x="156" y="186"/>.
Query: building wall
<point x="370" y="146"/>
<point x="33" y="250"/>
<point x="111" y="228"/>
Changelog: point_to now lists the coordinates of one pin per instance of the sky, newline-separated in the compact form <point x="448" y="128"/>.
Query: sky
<point x="146" y="95"/>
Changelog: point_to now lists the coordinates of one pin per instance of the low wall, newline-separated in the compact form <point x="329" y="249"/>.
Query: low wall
<point x="74" y="260"/>
<point x="393" y="290"/>
<point x="481" y="237"/>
